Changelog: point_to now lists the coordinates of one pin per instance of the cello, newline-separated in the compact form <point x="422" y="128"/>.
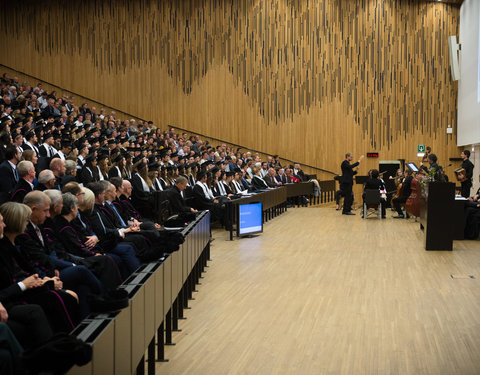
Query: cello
<point x="398" y="194"/>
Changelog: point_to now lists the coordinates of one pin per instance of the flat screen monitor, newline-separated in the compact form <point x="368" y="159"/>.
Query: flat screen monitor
<point x="250" y="219"/>
<point x="412" y="167"/>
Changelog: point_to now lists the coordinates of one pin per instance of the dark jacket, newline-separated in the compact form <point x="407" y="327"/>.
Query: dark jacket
<point x="347" y="171"/>
<point x="20" y="190"/>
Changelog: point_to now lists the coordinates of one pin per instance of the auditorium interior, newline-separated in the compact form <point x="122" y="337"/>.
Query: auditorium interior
<point x="240" y="187"/>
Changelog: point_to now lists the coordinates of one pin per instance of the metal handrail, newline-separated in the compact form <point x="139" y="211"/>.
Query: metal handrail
<point x="250" y="149"/>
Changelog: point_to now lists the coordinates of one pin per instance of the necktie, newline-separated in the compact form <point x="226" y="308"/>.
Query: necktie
<point x="15" y="173"/>
<point x="50" y="150"/>
<point x="101" y="222"/>
<point x="118" y="215"/>
<point x="81" y="221"/>
<point x="39" y="235"/>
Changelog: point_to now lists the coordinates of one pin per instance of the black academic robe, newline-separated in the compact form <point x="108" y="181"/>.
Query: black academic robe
<point x="35" y="252"/>
<point x="177" y="203"/>
<point x="60" y="307"/>
<point x="259" y="183"/>
<point x="20" y="190"/>
<point x="141" y="198"/>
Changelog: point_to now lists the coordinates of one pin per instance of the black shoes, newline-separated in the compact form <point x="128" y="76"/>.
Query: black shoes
<point x="399" y="217"/>
<point x="110" y="301"/>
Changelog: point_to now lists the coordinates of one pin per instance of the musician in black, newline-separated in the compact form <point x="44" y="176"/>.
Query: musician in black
<point x="468" y="166"/>
<point x="376" y="183"/>
<point x="434" y="169"/>
<point x="347" y="182"/>
<point x="405" y="193"/>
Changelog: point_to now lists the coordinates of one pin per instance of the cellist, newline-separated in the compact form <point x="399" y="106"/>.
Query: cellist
<point x="405" y="193"/>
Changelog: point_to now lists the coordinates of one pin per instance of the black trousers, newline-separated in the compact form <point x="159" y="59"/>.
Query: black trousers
<point x="29" y="325"/>
<point x="347" y="193"/>
<point x="466" y="186"/>
<point x="397" y="202"/>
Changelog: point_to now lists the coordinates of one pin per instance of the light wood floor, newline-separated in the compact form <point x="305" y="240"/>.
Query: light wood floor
<point x="323" y="293"/>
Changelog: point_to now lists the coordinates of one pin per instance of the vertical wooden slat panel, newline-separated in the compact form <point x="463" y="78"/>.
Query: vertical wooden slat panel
<point x="308" y="80"/>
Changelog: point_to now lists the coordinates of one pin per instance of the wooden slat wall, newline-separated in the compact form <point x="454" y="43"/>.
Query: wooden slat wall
<point x="308" y="80"/>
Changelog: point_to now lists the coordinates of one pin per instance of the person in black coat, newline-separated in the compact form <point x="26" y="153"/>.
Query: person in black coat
<point x="26" y="173"/>
<point x="375" y="183"/>
<point x="89" y="172"/>
<point x="434" y="168"/>
<point x="101" y="223"/>
<point x="34" y="247"/>
<point x="405" y="190"/>
<point x="257" y="181"/>
<point x="347" y="182"/>
<point x="18" y="283"/>
<point x="8" y="172"/>
<point x="202" y="201"/>
<point x="141" y="191"/>
<point x="177" y="203"/>
<point x="468" y="166"/>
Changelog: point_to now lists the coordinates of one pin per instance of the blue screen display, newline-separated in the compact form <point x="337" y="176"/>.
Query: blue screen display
<point x="250" y="218"/>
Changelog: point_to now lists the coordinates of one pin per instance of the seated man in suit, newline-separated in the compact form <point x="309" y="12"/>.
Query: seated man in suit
<point x="8" y="172"/>
<point x="177" y="203"/>
<point x="57" y="166"/>
<point x="281" y="176"/>
<point x="46" y="180"/>
<point x="375" y="183"/>
<point x="102" y="224"/>
<point x="270" y="178"/>
<point x="26" y="172"/>
<point x="70" y="173"/>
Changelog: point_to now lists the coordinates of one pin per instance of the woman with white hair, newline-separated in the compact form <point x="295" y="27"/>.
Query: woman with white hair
<point x="19" y="284"/>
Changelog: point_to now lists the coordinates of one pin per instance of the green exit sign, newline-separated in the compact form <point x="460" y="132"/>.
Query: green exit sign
<point x="421" y="148"/>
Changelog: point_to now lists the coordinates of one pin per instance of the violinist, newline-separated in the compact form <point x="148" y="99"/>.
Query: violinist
<point x="404" y="193"/>
<point x="398" y="177"/>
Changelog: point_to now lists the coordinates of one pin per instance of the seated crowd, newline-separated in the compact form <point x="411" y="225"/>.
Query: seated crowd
<point x="76" y="196"/>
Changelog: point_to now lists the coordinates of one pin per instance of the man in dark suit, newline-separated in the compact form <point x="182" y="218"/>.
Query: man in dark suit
<point x="102" y="224"/>
<point x="270" y="178"/>
<point x="347" y="182"/>
<point x="281" y="176"/>
<point x="26" y="173"/>
<point x="468" y="166"/>
<point x="8" y="172"/>
<point x="177" y="203"/>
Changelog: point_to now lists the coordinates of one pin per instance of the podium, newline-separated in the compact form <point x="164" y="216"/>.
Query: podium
<point x="436" y="212"/>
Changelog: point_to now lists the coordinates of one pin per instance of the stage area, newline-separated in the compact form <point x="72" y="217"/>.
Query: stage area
<point x="323" y="293"/>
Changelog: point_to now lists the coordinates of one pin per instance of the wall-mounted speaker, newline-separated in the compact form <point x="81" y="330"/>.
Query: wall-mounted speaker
<point x="453" y="48"/>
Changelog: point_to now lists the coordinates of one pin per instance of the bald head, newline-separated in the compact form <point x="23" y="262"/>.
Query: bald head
<point x="127" y="188"/>
<point x="57" y="166"/>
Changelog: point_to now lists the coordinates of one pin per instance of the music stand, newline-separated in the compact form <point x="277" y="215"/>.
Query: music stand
<point x="361" y="180"/>
<point x="412" y="167"/>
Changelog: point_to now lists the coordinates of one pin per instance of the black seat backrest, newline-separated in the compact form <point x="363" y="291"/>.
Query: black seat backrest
<point x="372" y="196"/>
